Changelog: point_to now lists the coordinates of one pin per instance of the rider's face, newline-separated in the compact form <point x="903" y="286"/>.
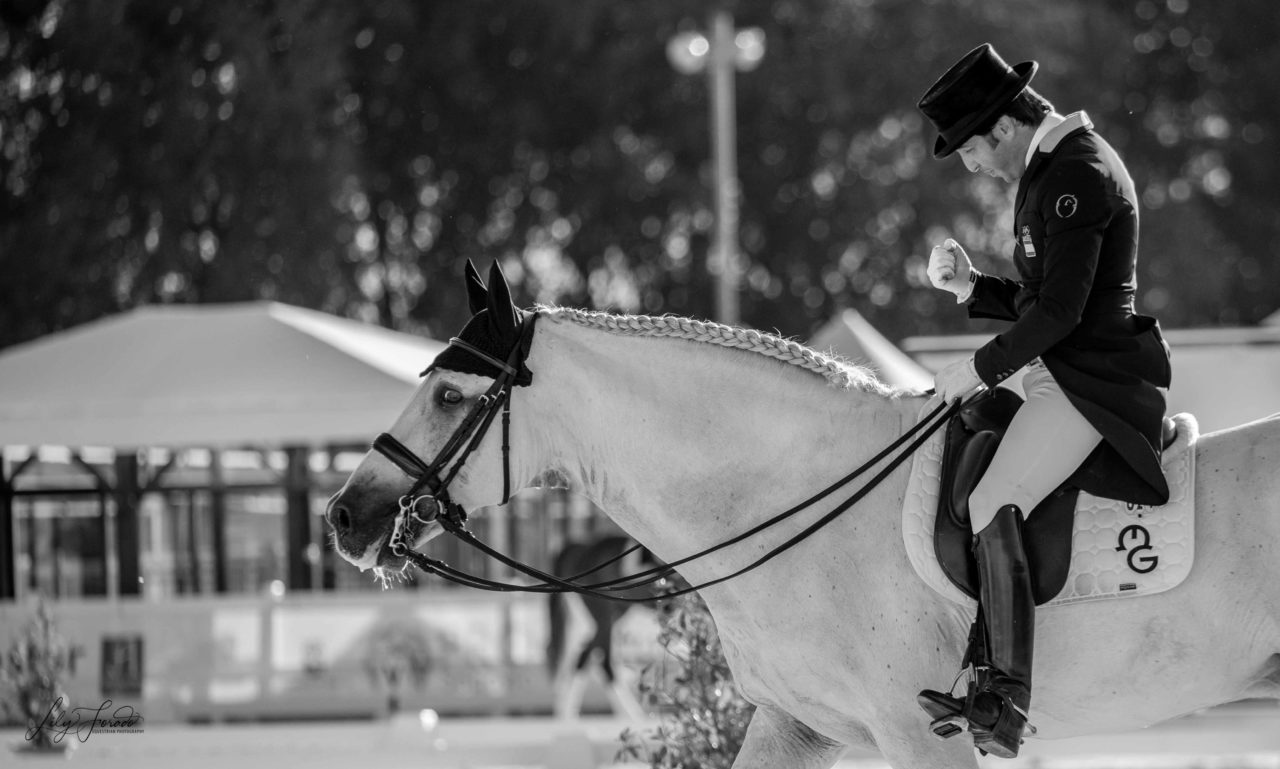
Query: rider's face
<point x="993" y="154"/>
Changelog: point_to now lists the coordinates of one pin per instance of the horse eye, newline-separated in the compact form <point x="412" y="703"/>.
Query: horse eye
<point x="449" y="397"/>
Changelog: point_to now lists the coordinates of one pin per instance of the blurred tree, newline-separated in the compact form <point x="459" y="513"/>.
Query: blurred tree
<point x="176" y="152"/>
<point x="1205" y="113"/>
<point x="519" y="131"/>
<point x="1177" y="87"/>
<point x="350" y="155"/>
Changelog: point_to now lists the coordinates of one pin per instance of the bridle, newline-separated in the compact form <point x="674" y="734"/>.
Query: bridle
<point x="467" y="436"/>
<point x="465" y="439"/>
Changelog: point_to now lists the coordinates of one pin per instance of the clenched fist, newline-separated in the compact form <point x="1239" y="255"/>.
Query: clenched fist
<point x="950" y="269"/>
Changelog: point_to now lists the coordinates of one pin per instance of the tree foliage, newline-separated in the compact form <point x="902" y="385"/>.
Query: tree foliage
<point x="349" y="156"/>
<point x="33" y="678"/>
<point x="705" y="718"/>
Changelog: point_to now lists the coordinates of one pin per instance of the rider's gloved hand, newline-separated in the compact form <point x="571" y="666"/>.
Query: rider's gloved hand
<point x="957" y="380"/>
<point x="950" y="270"/>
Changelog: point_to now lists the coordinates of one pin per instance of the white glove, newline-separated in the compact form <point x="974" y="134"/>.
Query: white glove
<point x="957" y="380"/>
<point x="950" y="270"/>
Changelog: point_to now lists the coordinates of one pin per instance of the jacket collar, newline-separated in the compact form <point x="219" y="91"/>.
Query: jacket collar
<point x="1050" y="122"/>
<point x="1076" y="121"/>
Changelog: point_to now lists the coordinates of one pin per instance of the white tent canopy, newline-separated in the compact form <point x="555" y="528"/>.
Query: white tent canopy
<point x="209" y="375"/>
<point x="850" y="336"/>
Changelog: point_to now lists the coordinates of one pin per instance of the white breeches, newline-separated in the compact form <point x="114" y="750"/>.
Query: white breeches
<point x="1046" y="442"/>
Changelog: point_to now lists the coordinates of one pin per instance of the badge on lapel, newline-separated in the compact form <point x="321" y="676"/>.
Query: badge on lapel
<point x="1028" y="247"/>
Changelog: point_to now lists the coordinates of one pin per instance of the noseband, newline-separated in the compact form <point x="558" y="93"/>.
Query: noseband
<point x="429" y="483"/>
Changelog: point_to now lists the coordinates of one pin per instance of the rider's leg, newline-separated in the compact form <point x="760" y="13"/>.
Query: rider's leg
<point x="998" y="712"/>
<point x="1047" y="440"/>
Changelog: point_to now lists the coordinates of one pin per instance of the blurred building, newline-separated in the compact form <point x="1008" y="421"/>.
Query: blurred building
<point x="164" y="479"/>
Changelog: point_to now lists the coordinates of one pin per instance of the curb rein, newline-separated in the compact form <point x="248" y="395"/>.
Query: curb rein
<point x="476" y="424"/>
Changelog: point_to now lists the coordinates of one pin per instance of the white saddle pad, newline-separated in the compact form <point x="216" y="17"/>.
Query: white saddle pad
<point x="1118" y="549"/>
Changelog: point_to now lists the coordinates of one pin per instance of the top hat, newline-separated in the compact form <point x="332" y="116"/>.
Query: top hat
<point x="972" y="92"/>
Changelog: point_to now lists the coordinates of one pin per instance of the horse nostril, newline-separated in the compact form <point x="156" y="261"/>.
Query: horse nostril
<point x="340" y="519"/>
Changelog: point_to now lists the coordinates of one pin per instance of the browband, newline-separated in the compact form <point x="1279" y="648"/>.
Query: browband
<point x="482" y="355"/>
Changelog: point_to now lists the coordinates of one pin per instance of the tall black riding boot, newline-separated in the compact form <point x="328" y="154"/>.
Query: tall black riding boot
<point x="995" y="707"/>
<point x="998" y="714"/>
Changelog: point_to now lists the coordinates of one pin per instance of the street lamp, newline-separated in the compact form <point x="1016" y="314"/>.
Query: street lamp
<point x="719" y="55"/>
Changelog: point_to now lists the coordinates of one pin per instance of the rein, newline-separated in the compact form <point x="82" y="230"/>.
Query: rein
<point x="477" y="422"/>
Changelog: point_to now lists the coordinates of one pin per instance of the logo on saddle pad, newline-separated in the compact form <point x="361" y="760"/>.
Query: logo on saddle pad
<point x="1142" y="564"/>
<point x="1117" y="549"/>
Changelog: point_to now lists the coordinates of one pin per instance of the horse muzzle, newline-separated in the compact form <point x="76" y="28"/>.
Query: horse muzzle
<point x="361" y="527"/>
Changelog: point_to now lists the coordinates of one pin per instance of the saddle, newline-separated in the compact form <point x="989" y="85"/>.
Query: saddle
<point x="972" y="436"/>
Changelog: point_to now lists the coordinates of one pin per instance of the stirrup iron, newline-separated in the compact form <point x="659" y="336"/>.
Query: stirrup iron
<point x="946" y="709"/>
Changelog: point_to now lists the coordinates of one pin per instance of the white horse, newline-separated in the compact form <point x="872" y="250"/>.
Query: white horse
<point x="686" y="433"/>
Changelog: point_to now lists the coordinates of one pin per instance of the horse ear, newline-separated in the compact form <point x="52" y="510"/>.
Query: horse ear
<point x="477" y="294"/>
<point x="501" y="309"/>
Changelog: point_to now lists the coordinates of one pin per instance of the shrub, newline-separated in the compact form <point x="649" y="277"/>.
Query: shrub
<point x="33" y="677"/>
<point x="704" y="717"/>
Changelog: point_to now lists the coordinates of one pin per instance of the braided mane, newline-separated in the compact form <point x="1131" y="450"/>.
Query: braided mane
<point x="837" y="372"/>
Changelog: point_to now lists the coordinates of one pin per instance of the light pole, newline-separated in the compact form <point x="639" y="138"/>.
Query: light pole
<point x="719" y="55"/>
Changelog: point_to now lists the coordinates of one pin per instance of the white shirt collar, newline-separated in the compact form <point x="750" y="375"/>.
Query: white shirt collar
<point x="1050" y="122"/>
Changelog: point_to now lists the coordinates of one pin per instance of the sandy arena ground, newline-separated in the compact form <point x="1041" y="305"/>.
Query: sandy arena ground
<point x="1245" y="736"/>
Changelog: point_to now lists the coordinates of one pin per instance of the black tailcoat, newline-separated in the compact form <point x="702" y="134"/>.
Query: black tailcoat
<point x="1076" y="226"/>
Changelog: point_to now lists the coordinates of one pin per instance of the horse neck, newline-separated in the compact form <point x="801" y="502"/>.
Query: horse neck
<point x="684" y="444"/>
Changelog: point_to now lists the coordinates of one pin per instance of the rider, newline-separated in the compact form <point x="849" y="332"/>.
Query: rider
<point x="1096" y="370"/>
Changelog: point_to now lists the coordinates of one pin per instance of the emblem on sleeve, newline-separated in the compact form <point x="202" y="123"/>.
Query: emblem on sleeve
<point x="1066" y="206"/>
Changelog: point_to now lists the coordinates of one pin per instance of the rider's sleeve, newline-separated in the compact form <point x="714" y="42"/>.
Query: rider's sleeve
<point x="1075" y="207"/>
<point x="994" y="297"/>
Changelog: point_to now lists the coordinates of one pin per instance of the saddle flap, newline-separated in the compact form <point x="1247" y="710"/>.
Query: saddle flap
<point x="1046" y="537"/>
<point x="974" y="455"/>
<point x="968" y="451"/>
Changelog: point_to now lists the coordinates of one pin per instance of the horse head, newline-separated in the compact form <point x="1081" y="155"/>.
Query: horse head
<point x="394" y="498"/>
